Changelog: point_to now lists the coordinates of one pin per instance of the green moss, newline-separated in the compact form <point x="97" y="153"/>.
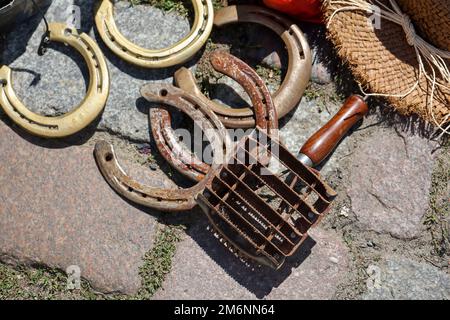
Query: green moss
<point x="311" y="93"/>
<point x="183" y="7"/>
<point x="158" y="262"/>
<point x="39" y="283"/>
<point x="437" y="217"/>
<point x="271" y="76"/>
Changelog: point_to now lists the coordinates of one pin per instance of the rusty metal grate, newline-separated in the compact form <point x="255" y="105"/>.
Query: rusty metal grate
<point x="261" y="213"/>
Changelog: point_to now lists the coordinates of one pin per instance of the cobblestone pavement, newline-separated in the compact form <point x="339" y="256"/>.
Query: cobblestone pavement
<point x="390" y="220"/>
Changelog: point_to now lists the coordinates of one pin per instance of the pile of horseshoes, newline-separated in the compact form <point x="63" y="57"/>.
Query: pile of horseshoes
<point x="259" y="213"/>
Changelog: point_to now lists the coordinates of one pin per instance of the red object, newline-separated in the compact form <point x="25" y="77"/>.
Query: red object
<point x="305" y="10"/>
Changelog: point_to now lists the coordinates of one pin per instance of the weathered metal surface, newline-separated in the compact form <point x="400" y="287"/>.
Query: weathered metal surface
<point x="297" y="76"/>
<point x="157" y="198"/>
<point x="172" y="151"/>
<point x="265" y="115"/>
<point x="260" y="215"/>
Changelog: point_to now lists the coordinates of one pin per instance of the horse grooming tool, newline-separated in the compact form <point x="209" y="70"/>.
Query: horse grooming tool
<point x="246" y="200"/>
<point x="264" y="215"/>
<point x="252" y="210"/>
<point x="256" y="213"/>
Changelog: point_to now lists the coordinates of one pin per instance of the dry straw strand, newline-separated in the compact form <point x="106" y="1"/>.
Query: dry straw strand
<point x="426" y="53"/>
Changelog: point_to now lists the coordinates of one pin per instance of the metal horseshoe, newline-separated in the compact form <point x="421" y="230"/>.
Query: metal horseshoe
<point x="178" y="53"/>
<point x="297" y="77"/>
<point x="265" y="115"/>
<point x="168" y="200"/>
<point x="82" y="115"/>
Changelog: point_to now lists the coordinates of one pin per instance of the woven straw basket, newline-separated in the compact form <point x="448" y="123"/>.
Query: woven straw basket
<point x="383" y="61"/>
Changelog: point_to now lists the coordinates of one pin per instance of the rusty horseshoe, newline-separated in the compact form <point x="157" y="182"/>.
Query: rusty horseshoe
<point x="299" y="68"/>
<point x="265" y="115"/>
<point x="167" y="200"/>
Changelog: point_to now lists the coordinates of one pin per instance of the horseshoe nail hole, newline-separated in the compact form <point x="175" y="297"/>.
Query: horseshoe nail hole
<point x="302" y="54"/>
<point x="67" y="32"/>
<point x="130" y="189"/>
<point x="109" y="157"/>
<point x="163" y="93"/>
<point x="159" y="199"/>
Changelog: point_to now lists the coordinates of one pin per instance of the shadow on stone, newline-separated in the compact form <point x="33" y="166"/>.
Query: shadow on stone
<point x="411" y="124"/>
<point x="252" y="43"/>
<point x="27" y="29"/>
<point x="261" y="280"/>
<point x="283" y="121"/>
<point x="37" y="76"/>
<point x="228" y="95"/>
<point x="87" y="15"/>
<point x="325" y="52"/>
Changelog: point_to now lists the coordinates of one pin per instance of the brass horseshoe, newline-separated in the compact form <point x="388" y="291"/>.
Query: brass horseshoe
<point x="297" y="77"/>
<point x="265" y="115"/>
<point x="178" y="53"/>
<point x="168" y="200"/>
<point x="82" y="115"/>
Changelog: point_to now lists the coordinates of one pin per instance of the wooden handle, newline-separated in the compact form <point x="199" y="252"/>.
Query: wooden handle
<point x="320" y="145"/>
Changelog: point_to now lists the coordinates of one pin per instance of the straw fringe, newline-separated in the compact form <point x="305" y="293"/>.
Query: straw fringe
<point x="430" y="59"/>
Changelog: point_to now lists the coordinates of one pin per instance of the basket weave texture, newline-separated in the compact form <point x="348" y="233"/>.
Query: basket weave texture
<point x="383" y="62"/>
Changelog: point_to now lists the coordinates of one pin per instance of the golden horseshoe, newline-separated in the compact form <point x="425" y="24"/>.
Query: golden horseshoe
<point x="161" y="58"/>
<point x="81" y="116"/>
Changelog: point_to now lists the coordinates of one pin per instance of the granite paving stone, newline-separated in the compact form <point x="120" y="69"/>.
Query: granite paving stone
<point x="404" y="279"/>
<point x="390" y="182"/>
<point x="205" y="269"/>
<point x="57" y="210"/>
